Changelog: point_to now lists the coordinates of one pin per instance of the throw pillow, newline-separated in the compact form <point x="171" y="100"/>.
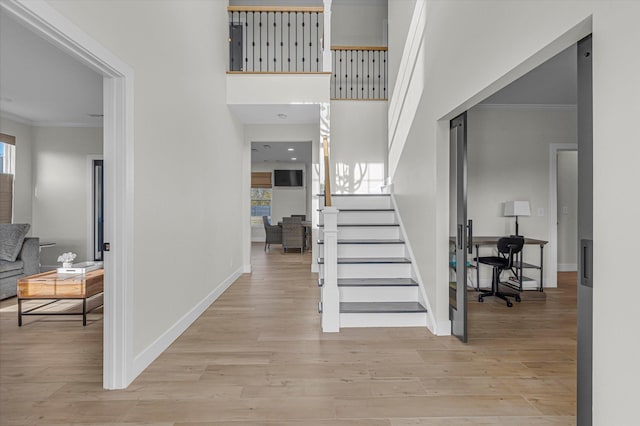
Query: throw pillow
<point x="11" y="239"/>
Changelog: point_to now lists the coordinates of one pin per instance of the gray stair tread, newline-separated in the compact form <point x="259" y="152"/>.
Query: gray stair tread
<point x="347" y="260"/>
<point x="373" y="282"/>
<point x="364" y="210"/>
<point x="376" y="282"/>
<point x="361" y="224"/>
<point x="380" y="307"/>
<point x="368" y="241"/>
<point x="356" y="195"/>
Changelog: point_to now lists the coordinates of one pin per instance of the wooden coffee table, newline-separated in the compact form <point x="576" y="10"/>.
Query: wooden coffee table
<point x="54" y="287"/>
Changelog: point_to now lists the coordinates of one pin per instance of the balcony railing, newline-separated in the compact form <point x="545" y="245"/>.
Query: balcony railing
<point x="359" y="72"/>
<point x="275" y="39"/>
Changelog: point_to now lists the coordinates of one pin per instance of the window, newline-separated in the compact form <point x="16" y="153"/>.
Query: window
<point x="260" y="204"/>
<point x="7" y="170"/>
<point x="261" y="194"/>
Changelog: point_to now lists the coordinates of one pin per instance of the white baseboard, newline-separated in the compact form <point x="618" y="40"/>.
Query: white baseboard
<point x="443" y="328"/>
<point x="154" y="350"/>
<point x="567" y="267"/>
<point x="246" y="269"/>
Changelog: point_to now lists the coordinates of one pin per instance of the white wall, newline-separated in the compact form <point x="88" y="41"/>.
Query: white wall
<point x="188" y="151"/>
<point x="358" y="146"/>
<point x="473" y="48"/>
<point x="285" y="201"/>
<point x="508" y="159"/>
<point x="567" y="210"/>
<point x="399" y="12"/>
<point x="60" y="188"/>
<point x="358" y="22"/>
<point x="22" y="185"/>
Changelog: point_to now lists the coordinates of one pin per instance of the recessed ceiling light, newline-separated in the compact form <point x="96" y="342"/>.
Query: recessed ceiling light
<point x="96" y="115"/>
<point x="282" y="116"/>
<point x="266" y="146"/>
<point x="254" y="149"/>
<point x="294" y="158"/>
<point x="290" y="149"/>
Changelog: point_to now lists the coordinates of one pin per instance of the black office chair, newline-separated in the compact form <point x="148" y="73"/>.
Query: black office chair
<point x="508" y="247"/>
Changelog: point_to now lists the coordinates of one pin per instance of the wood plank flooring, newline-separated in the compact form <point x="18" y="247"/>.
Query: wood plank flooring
<point x="257" y="357"/>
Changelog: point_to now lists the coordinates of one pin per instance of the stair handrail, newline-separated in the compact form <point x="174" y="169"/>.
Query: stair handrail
<point x="327" y="178"/>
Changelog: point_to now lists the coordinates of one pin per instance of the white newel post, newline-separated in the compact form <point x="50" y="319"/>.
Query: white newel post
<point x="326" y="41"/>
<point x="330" y="295"/>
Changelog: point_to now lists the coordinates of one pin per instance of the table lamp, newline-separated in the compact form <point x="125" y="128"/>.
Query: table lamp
<point x="517" y="208"/>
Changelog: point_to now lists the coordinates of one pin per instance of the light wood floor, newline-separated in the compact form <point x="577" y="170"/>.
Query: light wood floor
<point x="257" y="357"/>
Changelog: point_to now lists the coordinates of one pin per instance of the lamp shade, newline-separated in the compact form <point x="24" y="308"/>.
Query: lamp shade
<point x="517" y="208"/>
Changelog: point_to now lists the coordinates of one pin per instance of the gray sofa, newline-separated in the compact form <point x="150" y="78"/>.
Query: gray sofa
<point x="26" y="262"/>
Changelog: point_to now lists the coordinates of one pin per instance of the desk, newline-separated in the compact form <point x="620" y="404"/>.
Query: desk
<point x="519" y="265"/>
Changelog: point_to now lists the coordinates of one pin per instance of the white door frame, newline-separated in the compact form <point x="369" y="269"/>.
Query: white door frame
<point x="552" y="268"/>
<point x="44" y="20"/>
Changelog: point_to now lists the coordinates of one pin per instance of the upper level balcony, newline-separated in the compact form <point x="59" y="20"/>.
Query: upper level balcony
<point x="281" y="55"/>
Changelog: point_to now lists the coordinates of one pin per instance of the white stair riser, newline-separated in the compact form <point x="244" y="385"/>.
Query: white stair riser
<point x="379" y="294"/>
<point x="412" y="319"/>
<point x="360" y="202"/>
<point x="372" y="270"/>
<point x="371" y="250"/>
<point x="351" y="217"/>
<point x="365" y="232"/>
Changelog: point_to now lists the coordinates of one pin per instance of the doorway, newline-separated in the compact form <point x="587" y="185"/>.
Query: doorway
<point x="41" y="19"/>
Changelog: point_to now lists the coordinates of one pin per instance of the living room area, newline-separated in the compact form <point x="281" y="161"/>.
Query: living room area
<point x="51" y="156"/>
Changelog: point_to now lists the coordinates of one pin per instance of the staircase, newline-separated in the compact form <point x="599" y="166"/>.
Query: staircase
<point x="375" y="276"/>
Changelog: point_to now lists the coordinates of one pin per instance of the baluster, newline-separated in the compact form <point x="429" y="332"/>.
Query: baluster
<point x="275" y="39"/>
<point x="260" y="54"/>
<point x="385" y="74"/>
<point x="281" y="43"/>
<point x="289" y="40"/>
<point x="302" y="41"/>
<point x="296" y="44"/>
<point x="317" y="42"/>
<point x="246" y="41"/>
<point x="266" y="34"/>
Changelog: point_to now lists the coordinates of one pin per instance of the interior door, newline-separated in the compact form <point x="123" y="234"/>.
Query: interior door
<point x="460" y="230"/>
<point x="585" y="232"/>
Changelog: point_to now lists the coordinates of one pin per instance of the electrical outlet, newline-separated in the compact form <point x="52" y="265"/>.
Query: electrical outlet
<point x="565" y="210"/>
<point x="540" y="211"/>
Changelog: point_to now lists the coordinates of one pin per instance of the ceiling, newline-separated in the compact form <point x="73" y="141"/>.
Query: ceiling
<point x="555" y="82"/>
<point x="41" y="85"/>
<point x="279" y="151"/>
<point x="277" y="114"/>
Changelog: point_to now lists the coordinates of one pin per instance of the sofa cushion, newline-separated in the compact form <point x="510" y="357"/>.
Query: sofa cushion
<point x="9" y="269"/>
<point x="11" y="239"/>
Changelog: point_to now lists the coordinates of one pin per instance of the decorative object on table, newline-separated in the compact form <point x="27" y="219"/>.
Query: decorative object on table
<point x="67" y="259"/>
<point x="81" y="268"/>
<point x="517" y="208"/>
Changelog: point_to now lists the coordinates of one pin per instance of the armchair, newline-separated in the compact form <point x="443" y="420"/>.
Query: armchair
<point x="273" y="233"/>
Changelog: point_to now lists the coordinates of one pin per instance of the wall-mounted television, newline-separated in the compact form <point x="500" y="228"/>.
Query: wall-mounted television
<point x="287" y="178"/>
